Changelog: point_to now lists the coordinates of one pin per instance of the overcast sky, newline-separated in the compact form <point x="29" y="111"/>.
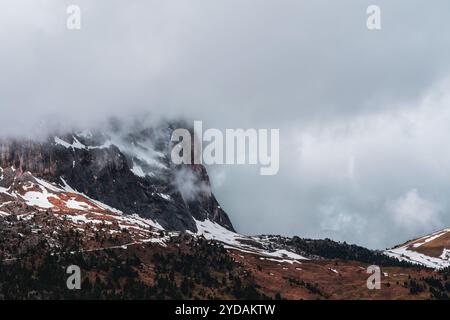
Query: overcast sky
<point x="363" y="115"/>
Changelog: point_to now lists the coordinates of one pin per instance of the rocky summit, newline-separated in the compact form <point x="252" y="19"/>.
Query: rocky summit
<point x="131" y="172"/>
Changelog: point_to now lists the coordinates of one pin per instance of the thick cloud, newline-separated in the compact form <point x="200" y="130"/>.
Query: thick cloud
<point x="362" y="113"/>
<point x="376" y="179"/>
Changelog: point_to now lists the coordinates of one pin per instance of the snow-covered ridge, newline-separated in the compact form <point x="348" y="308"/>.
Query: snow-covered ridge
<point x="409" y="251"/>
<point x="232" y="240"/>
<point x="403" y="254"/>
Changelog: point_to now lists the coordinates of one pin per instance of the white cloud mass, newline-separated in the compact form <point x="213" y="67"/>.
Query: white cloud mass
<point x="413" y="212"/>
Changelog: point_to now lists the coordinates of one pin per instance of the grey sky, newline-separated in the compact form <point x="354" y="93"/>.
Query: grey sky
<point x="363" y="115"/>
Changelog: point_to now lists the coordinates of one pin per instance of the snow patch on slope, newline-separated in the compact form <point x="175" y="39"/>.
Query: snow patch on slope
<point x="433" y="236"/>
<point x="403" y="254"/>
<point x="213" y="231"/>
<point x="137" y="171"/>
<point x="4" y="214"/>
<point x="38" y="199"/>
<point x="445" y="254"/>
<point x="78" y="205"/>
<point x="99" y="204"/>
<point x="74" y="145"/>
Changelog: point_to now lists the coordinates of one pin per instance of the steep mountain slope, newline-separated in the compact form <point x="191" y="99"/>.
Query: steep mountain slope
<point x="130" y="172"/>
<point x="432" y="250"/>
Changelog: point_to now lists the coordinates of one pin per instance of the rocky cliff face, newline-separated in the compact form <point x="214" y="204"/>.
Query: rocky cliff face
<point x="130" y="171"/>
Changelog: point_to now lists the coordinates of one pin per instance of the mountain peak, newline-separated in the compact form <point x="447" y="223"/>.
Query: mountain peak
<point x="130" y="171"/>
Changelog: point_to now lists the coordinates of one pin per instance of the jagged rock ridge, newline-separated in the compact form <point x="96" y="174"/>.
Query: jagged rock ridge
<point x="129" y="171"/>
